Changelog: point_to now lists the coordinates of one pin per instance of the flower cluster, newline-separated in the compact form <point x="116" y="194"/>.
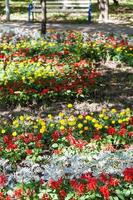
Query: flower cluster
<point x="67" y="156"/>
<point x="60" y="64"/>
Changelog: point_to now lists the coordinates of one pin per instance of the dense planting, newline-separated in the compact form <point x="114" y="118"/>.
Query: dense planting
<point x="68" y="156"/>
<point x="73" y="155"/>
<point x="61" y="65"/>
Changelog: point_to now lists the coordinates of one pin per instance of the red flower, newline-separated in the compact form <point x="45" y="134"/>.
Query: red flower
<point x="113" y="182"/>
<point x="44" y="91"/>
<point x="38" y="144"/>
<point x="1" y="88"/>
<point x="6" y="138"/>
<point x="42" y="181"/>
<point x="11" y="91"/>
<point x="103" y="178"/>
<point x="86" y="176"/>
<point x="97" y="137"/>
<point x="57" y="151"/>
<point x="8" y="197"/>
<point x="55" y="135"/>
<point x="55" y="184"/>
<point x="73" y="183"/>
<point x="11" y="146"/>
<point x="130" y="134"/>
<point x="39" y="136"/>
<point x="80" y="188"/>
<point x="1" y="195"/>
<point x="58" y="88"/>
<point x="131" y="120"/>
<point x="80" y="91"/>
<point x="62" y="194"/>
<point x="128" y="174"/>
<point x="29" y="151"/>
<point x="45" y="197"/>
<point x="111" y="130"/>
<point x="3" y="180"/>
<point x="18" y="193"/>
<point x="105" y="192"/>
<point x="122" y="132"/>
<point x="92" y="183"/>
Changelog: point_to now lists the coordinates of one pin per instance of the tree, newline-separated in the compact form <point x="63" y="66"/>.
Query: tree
<point x="44" y="16"/>
<point x="7" y="2"/>
<point x="104" y="10"/>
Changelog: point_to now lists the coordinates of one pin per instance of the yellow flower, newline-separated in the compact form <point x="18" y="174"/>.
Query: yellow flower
<point x="88" y="117"/>
<point x="61" y="114"/>
<point x="106" y="117"/>
<point x="106" y="127"/>
<point x="3" y="131"/>
<point x="62" y="122"/>
<point x="128" y="110"/>
<point x="120" y="121"/>
<point x="122" y="113"/>
<point x="80" y="117"/>
<point x="113" y="110"/>
<point x="85" y="121"/>
<point x="94" y="120"/>
<point x="80" y="125"/>
<point x="101" y="115"/>
<point x="72" y="123"/>
<point x="28" y="118"/>
<point x="14" y="134"/>
<point x="81" y="132"/>
<point x="98" y="126"/>
<point x="127" y="119"/>
<point x="104" y="110"/>
<point x="50" y="116"/>
<point x="43" y="129"/>
<point x="62" y="128"/>
<point x="51" y="125"/>
<point x="113" y="122"/>
<point x="69" y="105"/>
<point x="15" y="122"/>
<point x="21" y="118"/>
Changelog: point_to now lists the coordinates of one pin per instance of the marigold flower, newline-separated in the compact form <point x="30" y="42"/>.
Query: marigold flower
<point x="69" y="105"/>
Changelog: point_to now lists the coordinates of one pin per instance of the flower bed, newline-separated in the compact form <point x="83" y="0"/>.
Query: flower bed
<point x="67" y="156"/>
<point x="61" y="65"/>
<point x="72" y="155"/>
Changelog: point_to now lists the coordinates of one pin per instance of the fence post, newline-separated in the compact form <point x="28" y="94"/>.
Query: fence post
<point x="30" y="7"/>
<point x="7" y="10"/>
<point x="89" y="12"/>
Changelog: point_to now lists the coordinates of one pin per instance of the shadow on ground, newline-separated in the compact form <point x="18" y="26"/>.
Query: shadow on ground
<point x="92" y="27"/>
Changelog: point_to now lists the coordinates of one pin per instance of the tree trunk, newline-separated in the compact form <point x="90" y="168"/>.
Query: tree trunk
<point x="44" y="17"/>
<point x="7" y="10"/>
<point x="104" y="10"/>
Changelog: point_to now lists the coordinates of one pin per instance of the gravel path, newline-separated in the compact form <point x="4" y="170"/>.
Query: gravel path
<point x="93" y="27"/>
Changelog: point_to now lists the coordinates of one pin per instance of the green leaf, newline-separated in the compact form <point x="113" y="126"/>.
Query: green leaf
<point x="120" y="194"/>
<point x="126" y="192"/>
<point x="69" y="196"/>
<point x="115" y="198"/>
<point x="55" y="145"/>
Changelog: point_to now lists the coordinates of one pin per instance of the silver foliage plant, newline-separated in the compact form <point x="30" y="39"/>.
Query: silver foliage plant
<point x="67" y="165"/>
